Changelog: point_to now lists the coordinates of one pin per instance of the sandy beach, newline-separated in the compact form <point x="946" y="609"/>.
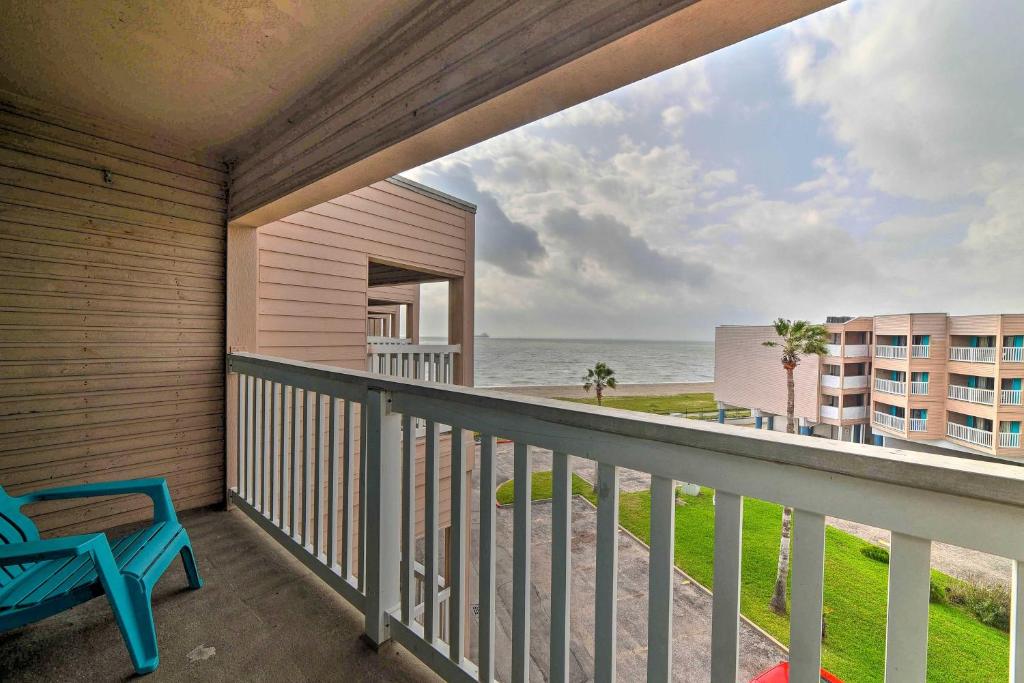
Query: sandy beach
<point x="576" y="391"/>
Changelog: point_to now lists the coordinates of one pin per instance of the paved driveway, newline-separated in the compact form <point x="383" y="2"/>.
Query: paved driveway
<point x="691" y="626"/>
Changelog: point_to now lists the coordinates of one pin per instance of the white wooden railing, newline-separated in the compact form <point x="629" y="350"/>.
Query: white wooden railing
<point x="918" y="424"/>
<point x="972" y="394"/>
<point x="298" y="479"/>
<point x="970" y="434"/>
<point x="1013" y="354"/>
<point x="919" y="388"/>
<point x="1009" y="440"/>
<point x="890" y="386"/>
<point x="919" y="351"/>
<point x="891" y="421"/>
<point x="856" y="350"/>
<point x="430" y="362"/>
<point x="973" y="354"/>
<point x="893" y="352"/>
<point x="1010" y="397"/>
<point x="848" y="382"/>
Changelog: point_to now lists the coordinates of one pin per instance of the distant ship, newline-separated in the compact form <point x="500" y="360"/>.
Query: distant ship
<point x="483" y="335"/>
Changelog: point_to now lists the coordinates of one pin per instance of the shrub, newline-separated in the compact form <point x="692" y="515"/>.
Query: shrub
<point x="876" y="553"/>
<point x="989" y="603"/>
<point x="936" y="593"/>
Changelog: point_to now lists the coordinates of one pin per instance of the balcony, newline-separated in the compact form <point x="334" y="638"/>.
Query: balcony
<point x="1013" y="354"/>
<point x="918" y="424"/>
<point x="427" y="362"/>
<point x="847" y="412"/>
<point x="973" y="354"/>
<point x="1009" y="440"/>
<point x="1010" y="397"/>
<point x="978" y="437"/>
<point x="919" y="388"/>
<point x="891" y="352"/>
<point x="848" y="382"/>
<point x="972" y="394"/>
<point x="890" y="386"/>
<point x="851" y="350"/>
<point x="919" y="351"/>
<point x="889" y="421"/>
<point x="816" y="477"/>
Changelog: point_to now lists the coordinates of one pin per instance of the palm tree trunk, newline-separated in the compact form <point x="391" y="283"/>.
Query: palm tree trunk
<point x="598" y="391"/>
<point x="790" y="402"/>
<point x="778" y="602"/>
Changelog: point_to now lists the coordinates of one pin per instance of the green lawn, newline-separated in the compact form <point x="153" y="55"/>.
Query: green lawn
<point x="663" y="405"/>
<point x="541" y="489"/>
<point x="960" y="648"/>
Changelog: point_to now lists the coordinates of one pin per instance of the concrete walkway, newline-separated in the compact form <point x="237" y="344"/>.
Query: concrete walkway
<point x="692" y="605"/>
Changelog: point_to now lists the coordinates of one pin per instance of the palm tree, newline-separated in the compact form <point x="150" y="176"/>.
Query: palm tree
<point x="599" y="378"/>
<point x="797" y="339"/>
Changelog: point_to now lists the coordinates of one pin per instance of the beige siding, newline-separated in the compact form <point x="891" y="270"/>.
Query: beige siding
<point x="112" y="329"/>
<point x="750" y="375"/>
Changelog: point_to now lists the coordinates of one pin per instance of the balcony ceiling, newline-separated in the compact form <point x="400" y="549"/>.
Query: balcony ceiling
<point x="172" y="69"/>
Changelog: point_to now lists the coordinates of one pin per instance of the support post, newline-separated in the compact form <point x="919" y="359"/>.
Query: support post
<point x="878" y="440"/>
<point x="771" y="423"/>
<point x="721" y="412"/>
<point x="383" y="524"/>
<point x="805" y="429"/>
<point x="758" y="421"/>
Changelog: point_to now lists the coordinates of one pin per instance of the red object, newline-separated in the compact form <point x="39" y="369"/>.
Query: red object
<point x="780" y="674"/>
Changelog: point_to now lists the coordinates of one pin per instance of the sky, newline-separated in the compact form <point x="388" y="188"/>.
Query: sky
<point x="867" y="159"/>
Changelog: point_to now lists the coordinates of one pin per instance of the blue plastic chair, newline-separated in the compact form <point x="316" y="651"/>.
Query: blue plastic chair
<point x="39" y="578"/>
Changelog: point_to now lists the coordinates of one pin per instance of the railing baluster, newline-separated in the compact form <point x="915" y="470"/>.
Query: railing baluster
<point x="240" y="442"/>
<point x="663" y="541"/>
<point x="457" y="560"/>
<point x="725" y="609"/>
<point x="250" y="449"/>
<point x="306" y="446"/>
<point x="271" y="455"/>
<point x="521" y="535"/>
<point x="408" y="579"/>
<point x="283" y="398"/>
<point x="318" y="475"/>
<point x="488" y="504"/>
<point x="292" y="473"/>
<point x="332" y="482"/>
<point x="383" y="479"/>
<point x="361" y="546"/>
<point x="430" y="517"/>
<point x="806" y="596"/>
<point x="261" y="470"/>
<point x="348" y="470"/>
<point x="606" y="607"/>
<point x="906" y="629"/>
<point x="561" y="564"/>
<point x="1017" y="622"/>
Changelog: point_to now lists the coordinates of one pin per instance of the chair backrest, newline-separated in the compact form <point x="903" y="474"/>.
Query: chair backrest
<point x="14" y="528"/>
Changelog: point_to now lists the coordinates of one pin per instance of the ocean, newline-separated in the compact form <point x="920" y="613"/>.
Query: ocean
<point x="509" y="362"/>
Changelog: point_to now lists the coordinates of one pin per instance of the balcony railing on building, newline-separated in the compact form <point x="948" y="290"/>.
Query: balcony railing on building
<point x="972" y="394"/>
<point x="428" y="362"/>
<point x="891" y="352"/>
<point x="847" y="382"/>
<point x="978" y="437"/>
<point x="850" y="351"/>
<point x="1010" y="397"/>
<point x="1009" y="440"/>
<point x="918" y="424"/>
<point x="387" y="341"/>
<point x="919" y="388"/>
<point x="890" y="386"/>
<point x="299" y="480"/>
<point x="919" y="351"/>
<point x="973" y="354"/>
<point x="891" y="421"/>
<point x="847" y="412"/>
<point x="1013" y="354"/>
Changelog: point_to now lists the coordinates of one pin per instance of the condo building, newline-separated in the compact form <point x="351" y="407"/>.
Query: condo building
<point x="918" y="381"/>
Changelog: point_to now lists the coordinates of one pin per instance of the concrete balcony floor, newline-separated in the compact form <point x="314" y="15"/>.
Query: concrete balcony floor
<point x="261" y="616"/>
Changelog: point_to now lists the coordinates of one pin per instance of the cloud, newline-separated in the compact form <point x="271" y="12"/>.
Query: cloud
<point x="596" y="112"/>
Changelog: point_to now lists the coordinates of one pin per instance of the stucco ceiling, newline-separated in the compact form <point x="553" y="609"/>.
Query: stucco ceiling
<point x="173" y="69"/>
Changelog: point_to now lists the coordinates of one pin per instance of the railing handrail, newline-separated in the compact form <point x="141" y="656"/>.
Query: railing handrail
<point x="1009" y="440"/>
<point x="891" y="421"/>
<point x="959" y="392"/>
<point x="890" y="351"/>
<point x="918" y="424"/>
<point x="920" y="350"/>
<point x="995" y="482"/>
<point x="1010" y="397"/>
<point x="973" y="354"/>
<point x="919" y="388"/>
<point x="890" y="386"/>
<point x="413" y="348"/>
<point x="390" y="341"/>
<point x="1013" y="354"/>
<point x="973" y="435"/>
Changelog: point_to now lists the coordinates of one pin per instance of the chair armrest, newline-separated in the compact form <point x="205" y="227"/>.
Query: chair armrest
<point x="156" y="489"/>
<point x="47" y="549"/>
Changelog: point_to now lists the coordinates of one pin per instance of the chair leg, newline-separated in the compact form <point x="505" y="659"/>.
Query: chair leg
<point x="188" y="559"/>
<point x="133" y="611"/>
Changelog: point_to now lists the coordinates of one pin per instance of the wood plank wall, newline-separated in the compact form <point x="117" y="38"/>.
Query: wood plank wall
<point x="111" y="319"/>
